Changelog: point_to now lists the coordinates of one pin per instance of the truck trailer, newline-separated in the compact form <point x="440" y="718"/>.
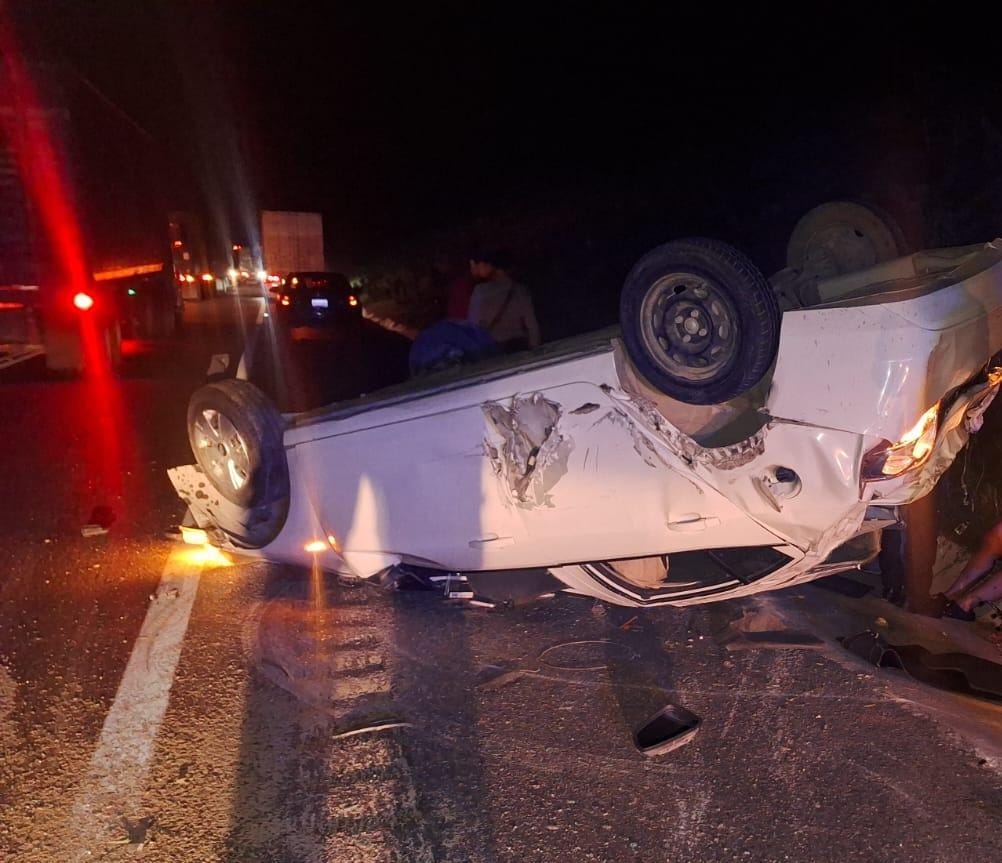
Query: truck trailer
<point x="87" y="251"/>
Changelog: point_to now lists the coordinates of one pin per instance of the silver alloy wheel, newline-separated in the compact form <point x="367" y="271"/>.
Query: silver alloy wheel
<point x="688" y="326"/>
<point x="225" y="451"/>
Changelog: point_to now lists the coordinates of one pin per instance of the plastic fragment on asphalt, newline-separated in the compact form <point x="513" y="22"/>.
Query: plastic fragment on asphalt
<point x="671" y="727"/>
<point x="370" y="729"/>
<point x="89" y="530"/>
<point x="504" y="678"/>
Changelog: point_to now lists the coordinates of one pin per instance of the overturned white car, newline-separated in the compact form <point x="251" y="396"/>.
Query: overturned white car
<point x="712" y="446"/>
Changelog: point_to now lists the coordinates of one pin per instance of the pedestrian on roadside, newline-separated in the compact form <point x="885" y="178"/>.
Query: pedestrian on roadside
<point x="459" y="286"/>
<point x="411" y="304"/>
<point x="500" y="305"/>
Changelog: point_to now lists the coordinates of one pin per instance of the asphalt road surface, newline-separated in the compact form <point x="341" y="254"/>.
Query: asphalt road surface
<point x="163" y="704"/>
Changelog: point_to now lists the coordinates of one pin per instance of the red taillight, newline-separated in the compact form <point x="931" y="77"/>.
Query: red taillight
<point x="83" y="301"/>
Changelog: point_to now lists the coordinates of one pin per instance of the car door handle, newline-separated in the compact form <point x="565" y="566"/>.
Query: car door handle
<point x="693" y="522"/>
<point x="493" y="540"/>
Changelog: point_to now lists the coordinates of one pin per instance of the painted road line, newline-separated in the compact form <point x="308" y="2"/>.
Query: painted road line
<point x="249" y="349"/>
<point x="114" y="782"/>
<point x="11" y="356"/>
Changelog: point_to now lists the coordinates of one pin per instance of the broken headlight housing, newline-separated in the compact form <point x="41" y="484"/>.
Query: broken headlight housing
<point x="888" y="460"/>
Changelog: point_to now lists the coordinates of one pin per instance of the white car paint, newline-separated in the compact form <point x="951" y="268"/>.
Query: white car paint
<point x="570" y="458"/>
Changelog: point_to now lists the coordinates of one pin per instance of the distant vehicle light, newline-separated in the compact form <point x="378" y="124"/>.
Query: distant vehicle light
<point x="315" y="547"/>
<point x="352" y="301"/>
<point x="131" y="292"/>
<point x="262" y="275"/>
<point x="237" y="247"/>
<point x="83" y="301"/>
<point x="208" y="277"/>
<point x="284" y="299"/>
<point x="189" y="278"/>
<point x="232" y="274"/>
<point x="244" y="274"/>
<point x="178" y="244"/>
<point x="295" y="281"/>
<point x="7" y="307"/>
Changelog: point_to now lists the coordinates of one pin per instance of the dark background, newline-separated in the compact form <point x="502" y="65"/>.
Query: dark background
<point x="578" y="138"/>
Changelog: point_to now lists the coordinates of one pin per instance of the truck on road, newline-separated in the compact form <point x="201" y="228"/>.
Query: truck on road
<point x="291" y="242"/>
<point x="86" y="243"/>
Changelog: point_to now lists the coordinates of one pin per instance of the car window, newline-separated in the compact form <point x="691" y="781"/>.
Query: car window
<point x="324" y="281"/>
<point x="749" y="564"/>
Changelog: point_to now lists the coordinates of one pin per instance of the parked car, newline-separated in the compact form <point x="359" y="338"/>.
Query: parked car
<point x="315" y="300"/>
<point x="709" y="447"/>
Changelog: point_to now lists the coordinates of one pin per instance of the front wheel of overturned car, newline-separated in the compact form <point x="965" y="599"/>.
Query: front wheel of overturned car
<point x="699" y="321"/>
<point x="236" y="436"/>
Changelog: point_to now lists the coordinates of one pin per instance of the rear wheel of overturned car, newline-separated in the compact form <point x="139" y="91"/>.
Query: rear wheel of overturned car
<point x="699" y="321"/>
<point x="236" y="436"/>
<point x="842" y="237"/>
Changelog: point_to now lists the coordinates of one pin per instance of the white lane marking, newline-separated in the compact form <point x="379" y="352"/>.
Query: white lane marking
<point x="114" y="782"/>
<point x="11" y="357"/>
<point x="249" y="349"/>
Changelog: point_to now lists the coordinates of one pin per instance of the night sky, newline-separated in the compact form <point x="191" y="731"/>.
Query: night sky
<point x="614" y="126"/>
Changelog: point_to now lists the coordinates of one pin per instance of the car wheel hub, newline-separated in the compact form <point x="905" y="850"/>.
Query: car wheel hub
<point x="225" y="453"/>
<point x="688" y="326"/>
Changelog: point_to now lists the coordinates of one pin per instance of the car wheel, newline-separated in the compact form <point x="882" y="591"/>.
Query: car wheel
<point x="699" y="321"/>
<point x="236" y="436"/>
<point x="843" y="237"/>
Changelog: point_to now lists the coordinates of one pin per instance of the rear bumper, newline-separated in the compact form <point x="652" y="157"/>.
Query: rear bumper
<point x="916" y="350"/>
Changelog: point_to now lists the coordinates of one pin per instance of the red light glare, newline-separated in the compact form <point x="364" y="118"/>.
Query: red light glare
<point x="83" y="301"/>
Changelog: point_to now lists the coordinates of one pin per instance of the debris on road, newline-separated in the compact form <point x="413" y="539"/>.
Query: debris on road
<point x="670" y="728"/>
<point x="372" y="728"/>
<point x="137" y="831"/>
<point x="760" y="626"/>
<point x="778" y="639"/>
<point x="504" y="677"/>
<point x="89" y="530"/>
<point x="954" y="672"/>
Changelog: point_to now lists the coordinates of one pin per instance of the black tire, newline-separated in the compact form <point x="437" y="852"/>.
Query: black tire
<point x="841" y="237"/>
<point x="256" y="455"/>
<point x="730" y="341"/>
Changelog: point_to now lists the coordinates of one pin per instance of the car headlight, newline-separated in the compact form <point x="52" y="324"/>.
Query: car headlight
<point x="888" y="460"/>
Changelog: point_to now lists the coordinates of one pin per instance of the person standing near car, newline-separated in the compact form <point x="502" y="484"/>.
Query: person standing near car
<point x="500" y="305"/>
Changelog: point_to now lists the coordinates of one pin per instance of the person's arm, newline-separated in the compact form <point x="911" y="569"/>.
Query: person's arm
<point x="529" y="322"/>
<point x="979" y="565"/>
<point x="476" y="304"/>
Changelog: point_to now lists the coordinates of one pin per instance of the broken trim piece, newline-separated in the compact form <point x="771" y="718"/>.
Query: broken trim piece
<point x="528" y="452"/>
